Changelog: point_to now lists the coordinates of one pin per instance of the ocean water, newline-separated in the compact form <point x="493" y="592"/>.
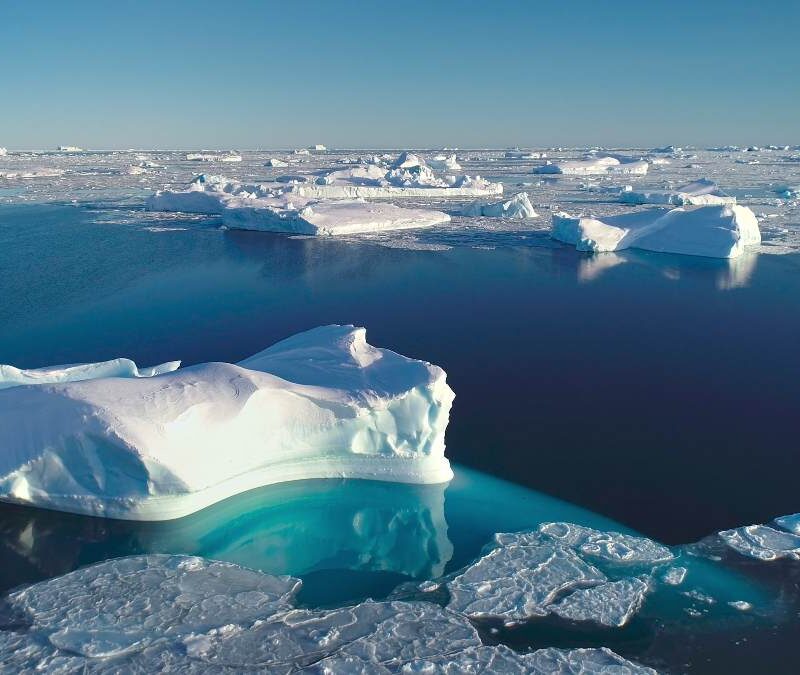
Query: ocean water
<point x="631" y="391"/>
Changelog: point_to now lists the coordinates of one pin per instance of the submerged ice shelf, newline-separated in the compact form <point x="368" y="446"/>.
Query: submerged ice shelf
<point x="319" y="404"/>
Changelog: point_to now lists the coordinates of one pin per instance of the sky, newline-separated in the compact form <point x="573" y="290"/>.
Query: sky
<point x="357" y="74"/>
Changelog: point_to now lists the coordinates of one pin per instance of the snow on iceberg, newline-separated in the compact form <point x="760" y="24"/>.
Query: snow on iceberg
<point x="701" y="192"/>
<point x="281" y="207"/>
<point x="519" y="206"/>
<point x="593" y="166"/>
<point x="444" y="163"/>
<point x="320" y="404"/>
<point x="186" y="614"/>
<point x="15" y="377"/>
<point x="712" y="231"/>
<point x="275" y="162"/>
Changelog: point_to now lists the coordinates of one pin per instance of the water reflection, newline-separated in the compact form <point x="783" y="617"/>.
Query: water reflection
<point x="296" y="528"/>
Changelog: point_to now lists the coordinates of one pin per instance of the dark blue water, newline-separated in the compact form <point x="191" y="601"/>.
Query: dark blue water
<point x="659" y="391"/>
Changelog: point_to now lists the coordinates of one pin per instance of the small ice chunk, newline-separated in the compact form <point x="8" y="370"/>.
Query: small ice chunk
<point x="674" y="576"/>
<point x="275" y="162"/>
<point x="741" y="605"/>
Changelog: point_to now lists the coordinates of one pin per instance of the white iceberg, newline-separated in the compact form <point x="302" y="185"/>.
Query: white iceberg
<point x="161" y="613"/>
<point x="713" y="231"/>
<point x="3" y="152"/>
<point x="319" y="147"/>
<point x="519" y="206"/>
<point x="15" y="377"/>
<point x="321" y="404"/>
<point x="275" y="162"/>
<point x="701" y="192"/>
<point x="444" y="163"/>
<point x="282" y="207"/>
<point x="593" y="166"/>
<point x="213" y="157"/>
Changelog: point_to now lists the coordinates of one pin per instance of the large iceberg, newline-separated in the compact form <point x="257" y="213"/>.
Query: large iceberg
<point x="701" y="192"/>
<point x="281" y="208"/>
<point x="14" y="377"/>
<point x="713" y="231"/>
<point x="593" y="166"/>
<point x="320" y="404"/>
<point x="185" y="614"/>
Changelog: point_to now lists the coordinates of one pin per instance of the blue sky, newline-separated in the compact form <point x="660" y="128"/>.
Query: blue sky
<point x="404" y="73"/>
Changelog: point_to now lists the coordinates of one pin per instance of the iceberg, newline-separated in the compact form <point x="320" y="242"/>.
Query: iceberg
<point x="283" y="208"/>
<point x="3" y="152"/>
<point x="593" y="166"/>
<point x="275" y="162"/>
<point x="213" y="157"/>
<point x="712" y="231"/>
<point x="444" y="163"/>
<point x="524" y="154"/>
<point x="320" y="404"/>
<point x="701" y="192"/>
<point x="187" y="614"/>
<point x="519" y="206"/>
<point x="15" y="377"/>
<point x="69" y="148"/>
<point x="319" y="147"/>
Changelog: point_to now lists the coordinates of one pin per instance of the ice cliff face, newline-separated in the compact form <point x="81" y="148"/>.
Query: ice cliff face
<point x="320" y="404"/>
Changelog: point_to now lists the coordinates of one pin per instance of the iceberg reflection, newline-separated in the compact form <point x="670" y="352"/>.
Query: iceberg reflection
<point x="294" y="528"/>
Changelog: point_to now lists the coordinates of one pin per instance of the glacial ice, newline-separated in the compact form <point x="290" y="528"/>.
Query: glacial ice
<point x="320" y="404"/>
<point x="519" y="206"/>
<point x="160" y="612"/>
<point x="593" y="166"/>
<point x="15" y="377"/>
<point x="712" y="231"/>
<point x="701" y="192"/>
<point x="790" y="523"/>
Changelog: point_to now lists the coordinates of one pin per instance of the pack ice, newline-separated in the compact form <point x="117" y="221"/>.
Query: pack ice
<point x="320" y="404"/>
<point x="184" y="614"/>
<point x="713" y="231"/>
<point x="284" y="207"/>
<point x="701" y="192"/>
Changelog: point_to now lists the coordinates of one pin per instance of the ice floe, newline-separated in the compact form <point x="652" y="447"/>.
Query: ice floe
<point x="762" y="542"/>
<point x="701" y="192"/>
<point x="275" y="162"/>
<point x="214" y="157"/>
<point x="3" y="152"/>
<point x="69" y="148"/>
<point x="556" y="569"/>
<point x="519" y="206"/>
<point x="593" y="166"/>
<point x="320" y="404"/>
<point x="713" y="231"/>
<point x="187" y="614"/>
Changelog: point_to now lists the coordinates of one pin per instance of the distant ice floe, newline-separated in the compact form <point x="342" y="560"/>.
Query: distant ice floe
<point x="32" y="174"/>
<point x="320" y="404"/>
<point x="214" y="157"/>
<point x="275" y="162"/>
<point x="713" y="231"/>
<point x="281" y="207"/>
<point x="764" y="542"/>
<point x="69" y="148"/>
<point x="160" y="612"/>
<point x="593" y="166"/>
<point x="556" y="570"/>
<point x="702" y="192"/>
<point x="519" y="206"/>
<point x="524" y="154"/>
<point x="3" y="152"/>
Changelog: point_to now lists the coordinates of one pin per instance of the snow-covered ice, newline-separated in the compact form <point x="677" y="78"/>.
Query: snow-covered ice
<point x="282" y="208"/>
<point x="320" y="404"/>
<point x="593" y="166"/>
<point x="762" y="542"/>
<point x="701" y="192"/>
<point x="712" y="231"/>
<point x="519" y="206"/>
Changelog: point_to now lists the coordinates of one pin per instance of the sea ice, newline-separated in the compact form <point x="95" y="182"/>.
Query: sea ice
<point x="593" y="166"/>
<point x="185" y="614"/>
<point x="701" y="192"/>
<point x="3" y="152"/>
<point x="214" y="157"/>
<point x="790" y="523"/>
<point x="444" y="163"/>
<point x="609" y="604"/>
<point x="519" y="206"/>
<point x="69" y="148"/>
<point x="524" y="154"/>
<point x="320" y="404"/>
<point x="713" y="231"/>
<point x="275" y="162"/>
<point x="762" y="542"/>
